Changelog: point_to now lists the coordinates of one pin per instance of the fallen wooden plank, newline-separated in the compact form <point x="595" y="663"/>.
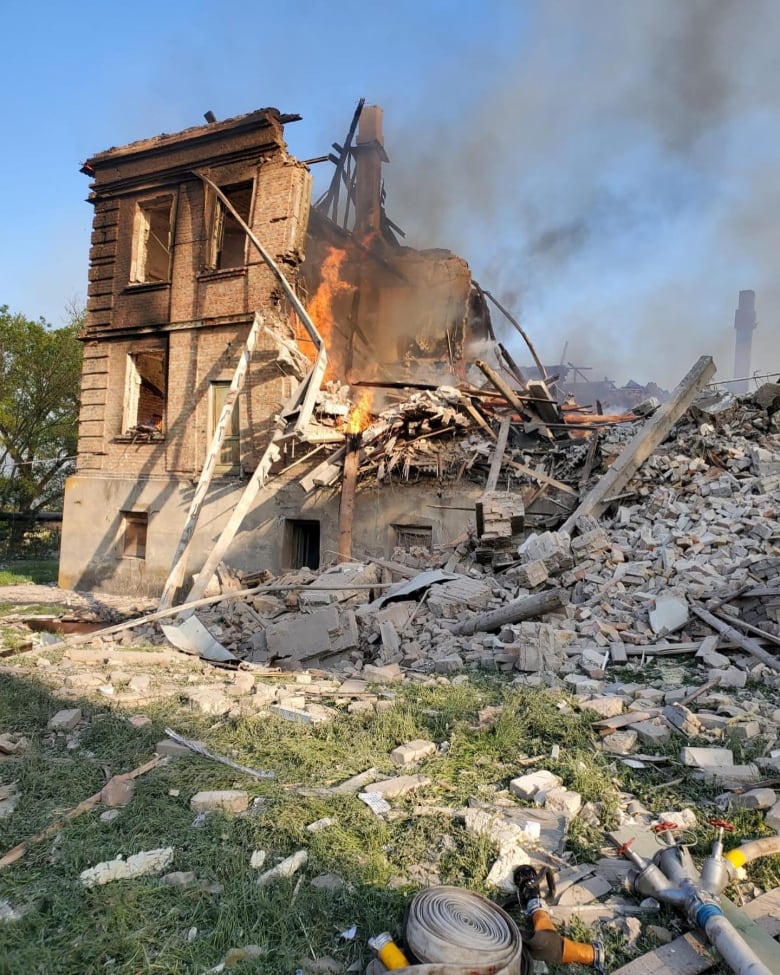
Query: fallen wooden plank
<point x="546" y="406"/>
<point x="765" y="911"/>
<point x="526" y="608"/>
<point x="18" y="851"/>
<point x="741" y="624"/>
<point x="608" y="725"/>
<point x="523" y="408"/>
<point x="739" y="638"/>
<point x="541" y="477"/>
<point x="644" y="442"/>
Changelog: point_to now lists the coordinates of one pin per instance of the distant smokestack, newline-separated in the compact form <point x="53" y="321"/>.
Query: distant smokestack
<point x="745" y="324"/>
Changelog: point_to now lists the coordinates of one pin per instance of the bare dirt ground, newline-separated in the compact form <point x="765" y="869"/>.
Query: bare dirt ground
<point x="103" y="605"/>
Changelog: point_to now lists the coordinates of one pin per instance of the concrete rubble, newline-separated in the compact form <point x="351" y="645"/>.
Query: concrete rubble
<point x="697" y="524"/>
<point x="144" y="864"/>
<point x="697" y="527"/>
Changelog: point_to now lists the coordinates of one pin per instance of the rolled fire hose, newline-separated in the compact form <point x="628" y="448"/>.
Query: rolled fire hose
<point x="452" y="931"/>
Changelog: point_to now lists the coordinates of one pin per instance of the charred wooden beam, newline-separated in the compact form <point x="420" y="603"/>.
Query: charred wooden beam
<point x="511" y="396"/>
<point x="348" y="490"/>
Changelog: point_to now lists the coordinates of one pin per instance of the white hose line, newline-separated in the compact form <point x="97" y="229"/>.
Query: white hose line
<point x="454" y="931"/>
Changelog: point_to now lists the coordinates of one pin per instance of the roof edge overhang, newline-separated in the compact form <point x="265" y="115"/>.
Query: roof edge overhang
<point x="204" y="134"/>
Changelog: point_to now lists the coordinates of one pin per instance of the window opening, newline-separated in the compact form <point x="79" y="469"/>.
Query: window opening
<point x="152" y="242"/>
<point x="228" y="240"/>
<point x="408" y="537"/>
<point x="229" y="460"/>
<point x="145" y="392"/>
<point x="302" y="544"/>
<point x="136" y="524"/>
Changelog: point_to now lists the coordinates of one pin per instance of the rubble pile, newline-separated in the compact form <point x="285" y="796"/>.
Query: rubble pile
<point x="693" y="533"/>
<point x="697" y="522"/>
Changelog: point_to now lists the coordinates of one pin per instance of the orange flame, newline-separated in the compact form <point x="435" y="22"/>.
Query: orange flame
<point x="330" y="287"/>
<point x="360" y="417"/>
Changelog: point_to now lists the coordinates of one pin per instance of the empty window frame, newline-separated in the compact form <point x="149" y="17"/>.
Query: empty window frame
<point x="135" y="525"/>
<point x="229" y="459"/>
<point x="226" y="237"/>
<point x="301" y="544"/>
<point x="145" y="391"/>
<point x="408" y="537"/>
<point x="152" y="241"/>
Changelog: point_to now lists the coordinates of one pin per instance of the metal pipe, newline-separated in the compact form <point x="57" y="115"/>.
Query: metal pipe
<point x="733" y="948"/>
<point x="696" y="894"/>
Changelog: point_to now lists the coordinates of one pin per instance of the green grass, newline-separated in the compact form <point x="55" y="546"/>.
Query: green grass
<point x="24" y="571"/>
<point x="142" y="925"/>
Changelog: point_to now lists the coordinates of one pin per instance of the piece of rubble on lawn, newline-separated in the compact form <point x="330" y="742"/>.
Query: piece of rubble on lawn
<point x="413" y="751"/>
<point x="9" y="798"/>
<point x="227" y="800"/>
<point x="65" y="720"/>
<point x="529" y="786"/>
<point x="139" y="865"/>
<point x="286" y="868"/>
<point x="12" y="744"/>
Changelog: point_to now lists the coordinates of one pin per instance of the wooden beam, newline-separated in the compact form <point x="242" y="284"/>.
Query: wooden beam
<point x="179" y="561"/>
<point x="525" y="608"/>
<point x="644" y="442"/>
<point x="511" y="396"/>
<point x="476" y="416"/>
<point x="541" y="477"/>
<point x="241" y="510"/>
<point x="18" y="851"/>
<point x="521" y="330"/>
<point x="347" y="500"/>
<point x="547" y="407"/>
<point x="498" y="454"/>
<point x="740" y="639"/>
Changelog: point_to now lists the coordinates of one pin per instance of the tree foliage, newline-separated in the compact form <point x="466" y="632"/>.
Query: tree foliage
<point x="40" y="371"/>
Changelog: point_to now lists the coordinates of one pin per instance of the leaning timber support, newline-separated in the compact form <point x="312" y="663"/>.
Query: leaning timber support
<point x="526" y="608"/>
<point x="641" y="446"/>
<point x="179" y="563"/>
<point x="513" y="321"/>
<point x="498" y="455"/>
<point x="301" y="405"/>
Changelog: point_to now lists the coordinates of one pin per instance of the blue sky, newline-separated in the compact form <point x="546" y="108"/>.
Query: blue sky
<point x="609" y="168"/>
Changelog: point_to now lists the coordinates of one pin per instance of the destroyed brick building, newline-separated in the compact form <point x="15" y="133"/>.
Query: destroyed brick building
<point x="208" y="394"/>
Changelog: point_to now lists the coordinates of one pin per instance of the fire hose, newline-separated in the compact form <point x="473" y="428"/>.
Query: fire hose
<point x="452" y="931"/>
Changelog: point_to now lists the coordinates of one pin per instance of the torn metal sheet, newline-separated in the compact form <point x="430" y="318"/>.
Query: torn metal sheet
<point x="409" y="589"/>
<point x="192" y="637"/>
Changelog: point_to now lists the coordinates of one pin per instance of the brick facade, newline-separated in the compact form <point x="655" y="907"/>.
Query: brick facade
<point x="194" y="324"/>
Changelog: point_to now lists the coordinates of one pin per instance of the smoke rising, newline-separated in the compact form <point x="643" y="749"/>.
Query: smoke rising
<point x="613" y="179"/>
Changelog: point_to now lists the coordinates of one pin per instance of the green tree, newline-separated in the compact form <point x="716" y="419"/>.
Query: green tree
<point x="40" y="370"/>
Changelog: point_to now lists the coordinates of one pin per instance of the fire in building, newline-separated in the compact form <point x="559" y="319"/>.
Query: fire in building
<point x="236" y="336"/>
<point x="271" y="384"/>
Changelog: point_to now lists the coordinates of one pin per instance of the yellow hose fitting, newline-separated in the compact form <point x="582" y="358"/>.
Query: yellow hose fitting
<point x="388" y="951"/>
<point x="736" y="858"/>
